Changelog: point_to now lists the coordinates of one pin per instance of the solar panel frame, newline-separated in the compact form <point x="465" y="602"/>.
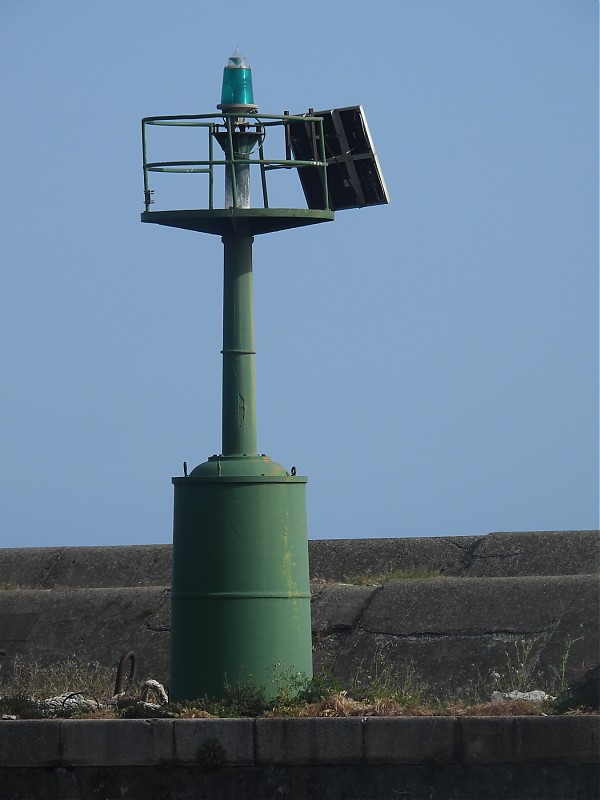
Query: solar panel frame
<point x="354" y="177"/>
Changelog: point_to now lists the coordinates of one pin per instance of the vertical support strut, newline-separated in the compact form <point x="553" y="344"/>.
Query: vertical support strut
<point x="239" y="393"/>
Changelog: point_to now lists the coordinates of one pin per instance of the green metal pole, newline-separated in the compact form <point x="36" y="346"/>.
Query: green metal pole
<point x="239" y="393"/>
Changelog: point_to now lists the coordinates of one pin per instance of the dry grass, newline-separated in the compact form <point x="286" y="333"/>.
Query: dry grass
<point x="384" y="692"/>
<point x="32" y="679"/>
<point x="340" y="705"/>
<point x="508" y="708"/>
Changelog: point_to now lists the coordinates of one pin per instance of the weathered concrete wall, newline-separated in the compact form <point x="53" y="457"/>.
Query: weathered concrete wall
<point x="448" y="632"/>
<point x="443" y="758"/>
<point x="452" y="633"/>
<point x="515" y="554"/>
<point x="339" y="560"/>
<point x="89" y="625"/>
<point x="86" y="567"/>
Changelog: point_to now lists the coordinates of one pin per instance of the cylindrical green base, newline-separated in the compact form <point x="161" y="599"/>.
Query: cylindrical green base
<point x="241" y="594"/>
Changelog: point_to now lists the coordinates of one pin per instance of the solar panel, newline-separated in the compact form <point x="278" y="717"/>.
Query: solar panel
<point x="354" y="178"/>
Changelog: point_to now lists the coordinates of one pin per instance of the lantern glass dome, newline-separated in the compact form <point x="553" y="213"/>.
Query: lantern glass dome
<point x="236" y="59"/>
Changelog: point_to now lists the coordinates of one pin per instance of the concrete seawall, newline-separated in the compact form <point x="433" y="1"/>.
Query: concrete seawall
<point x="502" y="602"/>
<point x="495" y="598"/>
<point x="433" y="758"/>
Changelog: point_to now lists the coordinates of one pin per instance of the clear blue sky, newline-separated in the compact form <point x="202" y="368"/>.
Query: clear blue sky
<point x="432" y="365"/>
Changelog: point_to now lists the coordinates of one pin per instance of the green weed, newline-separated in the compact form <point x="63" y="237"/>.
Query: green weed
<point x="560" y="681"/>
<point x="211" y="755"/>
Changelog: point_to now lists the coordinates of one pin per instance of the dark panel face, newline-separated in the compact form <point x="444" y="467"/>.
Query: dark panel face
<point x="353" y="175"/>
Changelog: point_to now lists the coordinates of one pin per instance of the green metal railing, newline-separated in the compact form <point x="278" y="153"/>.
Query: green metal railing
<point x="232" y="126"/>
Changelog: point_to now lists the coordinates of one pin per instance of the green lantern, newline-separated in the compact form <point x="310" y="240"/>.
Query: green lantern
<point x="237" y="93"/>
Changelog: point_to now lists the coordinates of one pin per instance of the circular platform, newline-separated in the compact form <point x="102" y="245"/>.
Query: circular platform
<point x="238" y="221"/>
